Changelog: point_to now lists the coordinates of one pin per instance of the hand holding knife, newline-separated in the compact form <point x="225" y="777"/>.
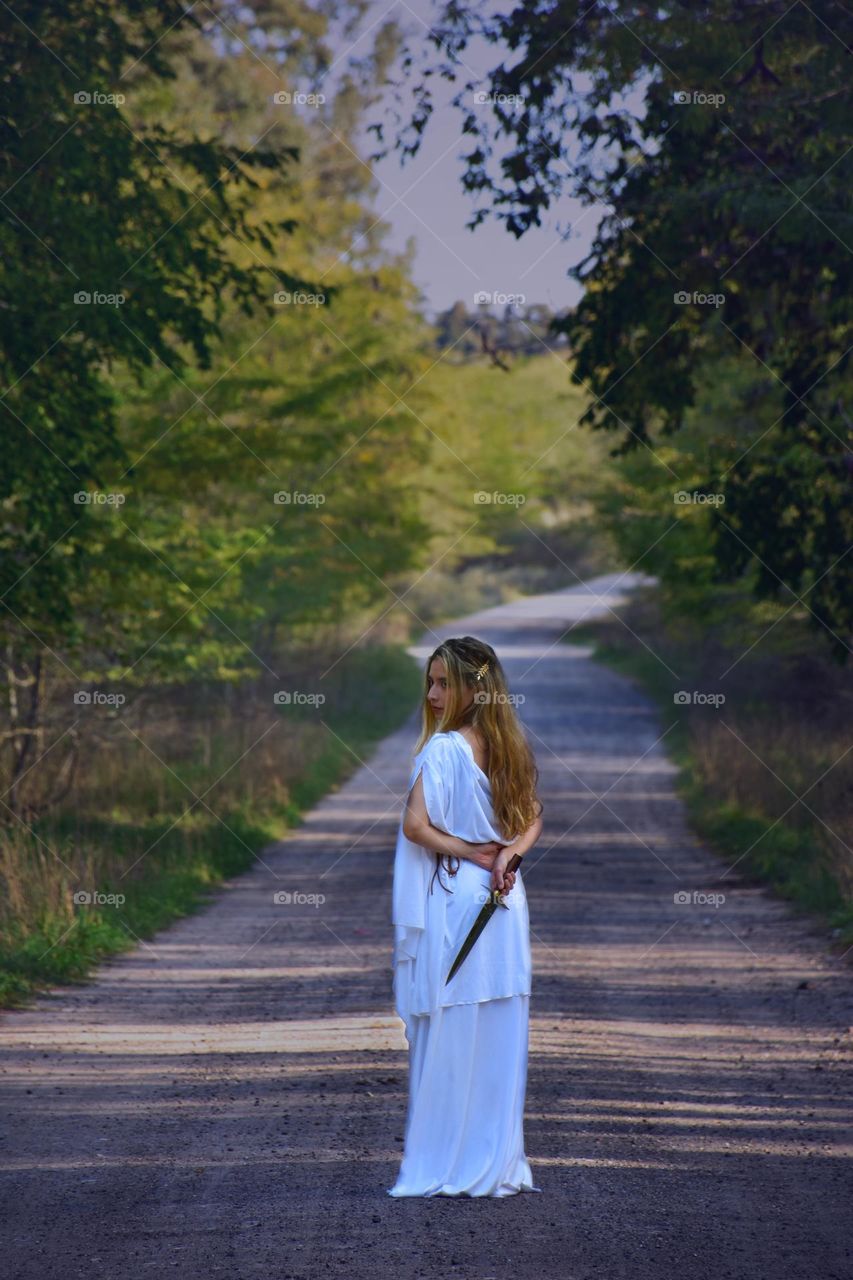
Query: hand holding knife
<point x="487" y="910"/>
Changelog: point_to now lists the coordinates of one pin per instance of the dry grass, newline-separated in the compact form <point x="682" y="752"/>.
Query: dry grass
<point x="769" y="773"/>
<point x="135" y="787"/>
<point x="168" y="799"/>
<point x="786" y="770"/>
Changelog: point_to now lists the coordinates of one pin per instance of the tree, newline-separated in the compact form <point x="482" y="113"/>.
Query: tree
<point x="202" y="396"/>
<point x="114" y="248"/>
<point x="299" y="404"/>
<point x="720" y="137"/>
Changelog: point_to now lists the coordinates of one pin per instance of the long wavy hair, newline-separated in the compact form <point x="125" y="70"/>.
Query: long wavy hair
<point x="512" y="770"/>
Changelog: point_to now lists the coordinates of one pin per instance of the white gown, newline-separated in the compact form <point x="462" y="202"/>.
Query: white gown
<point x="467" y="1039"/>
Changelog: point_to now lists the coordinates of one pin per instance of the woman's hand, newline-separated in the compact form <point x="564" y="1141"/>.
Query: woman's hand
<point x="493" y="857"/>
<point x="503" y="880"/>
<point x="483" y="855"/>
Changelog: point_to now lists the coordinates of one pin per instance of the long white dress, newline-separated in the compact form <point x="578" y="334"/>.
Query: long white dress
<point x="467" y="1039"/>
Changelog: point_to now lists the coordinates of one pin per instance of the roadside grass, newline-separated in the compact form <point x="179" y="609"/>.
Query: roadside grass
<point x="164" y="831"/>
<point x="781" y="734"/>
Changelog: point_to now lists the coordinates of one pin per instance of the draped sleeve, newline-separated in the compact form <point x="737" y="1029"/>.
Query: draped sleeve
<point x="439" y="772"/>
<point x="412" y="865"/>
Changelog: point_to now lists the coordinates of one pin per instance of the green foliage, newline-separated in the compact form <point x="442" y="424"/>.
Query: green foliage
<point x="194" y="569"/>
<point x="722" y="145"/>
<point x="95" y="207"/>
<point x="497" y="433"/>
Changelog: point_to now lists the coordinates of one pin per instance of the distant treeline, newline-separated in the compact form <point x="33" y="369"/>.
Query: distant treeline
<point x="497" y="331"/>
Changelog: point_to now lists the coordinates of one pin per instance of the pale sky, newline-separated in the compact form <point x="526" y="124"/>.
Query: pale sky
<point x="424" y="199"/>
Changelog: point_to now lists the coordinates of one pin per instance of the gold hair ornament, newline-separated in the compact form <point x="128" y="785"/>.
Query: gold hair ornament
<point x="482" y="670"/>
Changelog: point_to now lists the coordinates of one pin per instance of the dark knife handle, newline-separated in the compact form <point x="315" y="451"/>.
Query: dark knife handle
<point x="514" y="862"/>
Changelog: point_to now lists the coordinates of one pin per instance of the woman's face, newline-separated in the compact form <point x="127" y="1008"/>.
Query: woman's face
<point x="437" y="688"/>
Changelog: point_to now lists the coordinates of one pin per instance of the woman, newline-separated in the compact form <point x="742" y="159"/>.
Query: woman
<point x="471" y="806"/>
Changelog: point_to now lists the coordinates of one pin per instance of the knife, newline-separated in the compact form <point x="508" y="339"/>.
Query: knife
<point x="487" y="910"/>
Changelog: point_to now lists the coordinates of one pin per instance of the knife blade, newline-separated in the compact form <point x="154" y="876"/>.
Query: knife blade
<point x="486" y="912"/>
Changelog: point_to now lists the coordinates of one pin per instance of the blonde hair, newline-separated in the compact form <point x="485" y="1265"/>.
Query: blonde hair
<point x="512" y="769"/>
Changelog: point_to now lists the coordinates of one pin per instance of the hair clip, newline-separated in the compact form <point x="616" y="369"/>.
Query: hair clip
<point x="482" y="671"/>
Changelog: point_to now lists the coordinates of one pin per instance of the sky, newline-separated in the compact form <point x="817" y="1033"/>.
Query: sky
<point x="424" y="200"/>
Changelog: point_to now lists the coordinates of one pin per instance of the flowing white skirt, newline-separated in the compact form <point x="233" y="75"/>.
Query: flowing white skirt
<point x="467" y="1083"/>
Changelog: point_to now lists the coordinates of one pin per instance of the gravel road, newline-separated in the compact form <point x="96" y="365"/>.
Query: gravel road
<point x="229" y="1099"/>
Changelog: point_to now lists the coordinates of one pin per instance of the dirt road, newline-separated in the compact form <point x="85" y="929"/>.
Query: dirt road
<point x="229" y="1099"/>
